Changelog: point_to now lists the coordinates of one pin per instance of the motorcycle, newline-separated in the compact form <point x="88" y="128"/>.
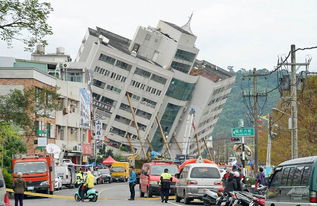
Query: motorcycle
<point x="91" y="195"/>
<point x="210" y="197"/>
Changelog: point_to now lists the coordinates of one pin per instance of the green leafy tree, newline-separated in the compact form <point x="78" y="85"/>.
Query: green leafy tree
<point x="10" y="143"/>
<point x="23" y="107"/>
<point x="25" y="21"/>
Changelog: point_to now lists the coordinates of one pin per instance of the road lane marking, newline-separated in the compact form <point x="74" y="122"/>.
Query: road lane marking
<point x="72" y="197"/>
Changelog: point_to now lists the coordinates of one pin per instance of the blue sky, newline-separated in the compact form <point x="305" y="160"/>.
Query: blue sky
<point x="241" y="33"/>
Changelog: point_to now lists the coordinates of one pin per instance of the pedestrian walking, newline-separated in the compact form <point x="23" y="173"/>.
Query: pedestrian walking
<point x="132" y="183"/>
<point x="260" y="178"/>
<point x="19" y="186"/>
<point x="166" y="180"/>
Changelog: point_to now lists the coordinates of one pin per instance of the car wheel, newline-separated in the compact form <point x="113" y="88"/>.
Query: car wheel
<point x="187" y="200"/>
<point x="149" y="193"/>
<point x="177" y="198"/>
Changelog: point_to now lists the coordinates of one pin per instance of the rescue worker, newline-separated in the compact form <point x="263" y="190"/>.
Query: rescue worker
<point x="166" y="180"/>
<point x="89" y="184"/>
<point x="79" y="178"/>
<point x="132" y="182"/>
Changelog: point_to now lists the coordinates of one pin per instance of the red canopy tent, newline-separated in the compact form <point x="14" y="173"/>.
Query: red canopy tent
<point x="108" y="161"/>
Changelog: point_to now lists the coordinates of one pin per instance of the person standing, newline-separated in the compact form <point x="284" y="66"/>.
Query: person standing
<point x="230" y="183"/>
<point x="260" y="177"/>
<point x="166" y="180"/>
<point x="132" y="183"/>
<point x="19" y="186"/>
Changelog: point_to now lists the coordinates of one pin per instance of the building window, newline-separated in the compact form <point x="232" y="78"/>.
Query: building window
<point x="98" y="83"/>
<point x="96" y="96"/>
<point x="148" y="37"/>
<point x="180" y="67"/>
<point x="112" y="88"/>
<point x="123" y="65"/>
<point x="148" y="102"/>
<point x="136" y="47"/>
<point x="123" y="79"/>
<point x="184" y="55"/>
<point x="180" y="90"/>
<point x="142" y="72"/>
<point x="158" y="79"/>
<point x="107" y="59"/>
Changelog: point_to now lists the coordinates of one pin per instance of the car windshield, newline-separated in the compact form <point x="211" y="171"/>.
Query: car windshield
<point x="104" y="171"/>
<point x="30" y="167"/>
<point x="204" y="172"/>
<point x="159" y="169"/>
<point x="117" y="169"/>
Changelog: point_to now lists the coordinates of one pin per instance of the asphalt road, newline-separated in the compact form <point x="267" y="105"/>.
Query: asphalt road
<point x="116" y="194"/>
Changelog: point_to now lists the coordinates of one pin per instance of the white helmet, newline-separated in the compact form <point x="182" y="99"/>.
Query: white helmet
<point x="236" y="174"/>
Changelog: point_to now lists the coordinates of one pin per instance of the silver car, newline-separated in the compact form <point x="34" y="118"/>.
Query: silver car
<point x="194" y="179"/>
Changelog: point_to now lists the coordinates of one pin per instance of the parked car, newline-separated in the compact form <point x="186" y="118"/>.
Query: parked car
<point x="105" y="175"/>
<point x="293" y="182"/>
<point x="150" y="177"/>
<point x="58" y="183"/>
<point x="194" y="179"/>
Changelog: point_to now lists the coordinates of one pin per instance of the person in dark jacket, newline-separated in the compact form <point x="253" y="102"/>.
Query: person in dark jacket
<point x="19" y="186"/>
<point x="237" y="177"/>
<point x="231" y="183"/>
<point x="260" y="178"/>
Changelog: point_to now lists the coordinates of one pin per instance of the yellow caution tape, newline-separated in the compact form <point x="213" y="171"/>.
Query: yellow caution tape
<point x="72" y="197"/>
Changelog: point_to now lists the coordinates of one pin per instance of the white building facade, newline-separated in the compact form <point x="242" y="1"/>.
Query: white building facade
<point x="155" y="71"/>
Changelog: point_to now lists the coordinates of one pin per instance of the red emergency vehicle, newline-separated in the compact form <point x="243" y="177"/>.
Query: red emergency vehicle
<point x="38" y="173"/>
<point x="151" y="174"/>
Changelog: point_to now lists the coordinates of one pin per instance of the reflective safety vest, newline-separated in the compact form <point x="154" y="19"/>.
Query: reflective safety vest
<point x="166" y="177"/>
<point x="79" y="178"/>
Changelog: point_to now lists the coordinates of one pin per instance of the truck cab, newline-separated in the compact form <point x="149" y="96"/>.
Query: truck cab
<point x="120" y="171"/>
<point x="150" y="177"/>
<point x="37" y="172"/>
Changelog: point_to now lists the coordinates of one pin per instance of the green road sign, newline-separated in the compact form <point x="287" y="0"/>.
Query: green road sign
<point x="242" y="132"/>
<point x="41" y="132"/>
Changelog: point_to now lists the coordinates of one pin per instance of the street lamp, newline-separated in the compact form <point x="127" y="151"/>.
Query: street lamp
<point x="278" y="110"/>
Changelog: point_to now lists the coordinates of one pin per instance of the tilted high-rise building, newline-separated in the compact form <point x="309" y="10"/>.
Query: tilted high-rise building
<point x="159" y="71"/>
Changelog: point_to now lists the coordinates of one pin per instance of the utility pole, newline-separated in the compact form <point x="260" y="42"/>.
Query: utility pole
<point x="208" y="150"/>
<point x="197" y="143"/>
<point x="269" y="141"/>
<point x="294" y="131"/>
<point x="255" y="95"/>
<point x="293" y="98"/>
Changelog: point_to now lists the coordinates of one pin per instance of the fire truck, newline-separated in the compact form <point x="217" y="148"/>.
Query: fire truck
<point x="37" y="172"/>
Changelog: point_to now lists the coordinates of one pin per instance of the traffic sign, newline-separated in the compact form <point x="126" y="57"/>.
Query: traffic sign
<point x="98" y="130"/>
<point x="242" y="132"/>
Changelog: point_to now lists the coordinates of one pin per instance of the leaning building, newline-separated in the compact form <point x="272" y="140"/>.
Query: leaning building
<point x="144" y="90"/>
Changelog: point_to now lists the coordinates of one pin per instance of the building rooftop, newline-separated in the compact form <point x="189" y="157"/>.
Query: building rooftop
<point x="210" y="71"/>
<point x="119" y="42"/>
<point x="178" y="28"/>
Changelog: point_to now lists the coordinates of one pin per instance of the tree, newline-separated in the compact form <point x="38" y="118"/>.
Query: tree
<point x="25" y="21"/>
<point x="307" y="126"/>
<point x="10" y="143"/>
<point x="23" y="107"/>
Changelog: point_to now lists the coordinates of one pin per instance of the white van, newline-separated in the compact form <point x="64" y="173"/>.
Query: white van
<point x="194" y="179"/>
<point x="2" y="189"/>
<point x="67" y="174"/>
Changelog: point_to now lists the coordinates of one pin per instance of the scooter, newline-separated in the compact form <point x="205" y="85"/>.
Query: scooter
<point x="91" y="194"/>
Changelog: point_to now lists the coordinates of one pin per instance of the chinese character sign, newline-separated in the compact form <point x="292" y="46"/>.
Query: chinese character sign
<point x="84" y="109"/>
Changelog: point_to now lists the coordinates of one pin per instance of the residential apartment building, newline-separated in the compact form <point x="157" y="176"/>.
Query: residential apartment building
<point x="28" y="78"/>
<point x="71" y="130"/>
<point x="158" y="70"/>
